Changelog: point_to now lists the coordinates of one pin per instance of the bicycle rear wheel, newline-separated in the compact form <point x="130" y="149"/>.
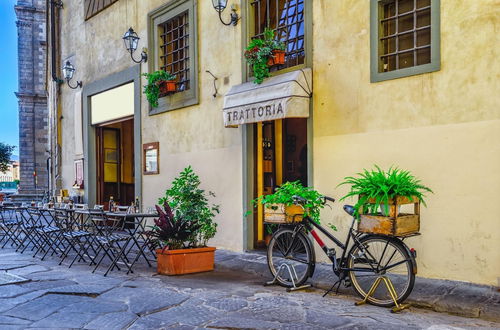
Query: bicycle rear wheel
<point x="290" y="257"/>
<point x="376" y="256"/>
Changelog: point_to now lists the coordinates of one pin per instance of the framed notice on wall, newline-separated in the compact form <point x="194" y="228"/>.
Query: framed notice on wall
<point x="151" y="158"/>
<point x="79" y="173"/>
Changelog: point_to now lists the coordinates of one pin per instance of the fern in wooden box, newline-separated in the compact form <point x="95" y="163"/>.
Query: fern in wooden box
<point x="380" y="196"/>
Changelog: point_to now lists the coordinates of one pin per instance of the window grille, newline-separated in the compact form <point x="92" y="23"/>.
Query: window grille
<point x="174" y="49"/>
<point x="405" y="34"/>
<point x="286" y="18"/>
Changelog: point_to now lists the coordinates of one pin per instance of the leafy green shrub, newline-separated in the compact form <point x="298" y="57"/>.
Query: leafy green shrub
<point x="152" y="90"/>
<point x="284" y="195"/>
<point x="258" y="52"/>
<point x="190" y="203"/>
<point x="380" y="186"/>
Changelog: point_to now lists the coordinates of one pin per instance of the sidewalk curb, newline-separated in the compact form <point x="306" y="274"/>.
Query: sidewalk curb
<point x="453" y="297"/>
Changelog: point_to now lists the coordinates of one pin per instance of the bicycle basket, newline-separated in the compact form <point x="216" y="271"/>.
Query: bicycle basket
<point x="280" y="213"/>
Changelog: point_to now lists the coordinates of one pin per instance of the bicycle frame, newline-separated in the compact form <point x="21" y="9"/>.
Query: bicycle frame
<point x="338" y="267"/>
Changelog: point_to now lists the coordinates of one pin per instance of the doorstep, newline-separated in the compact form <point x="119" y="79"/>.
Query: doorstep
<point x="454" y="297"/>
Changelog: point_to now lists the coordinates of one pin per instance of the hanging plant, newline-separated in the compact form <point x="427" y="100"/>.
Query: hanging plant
<point x="263" y="53"/>
<point x="159" y="82"/>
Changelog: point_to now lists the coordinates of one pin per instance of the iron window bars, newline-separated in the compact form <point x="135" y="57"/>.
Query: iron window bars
<point x="405" y="34"/>
<point x="286" y="17"/>
<point x="174" y="49"/>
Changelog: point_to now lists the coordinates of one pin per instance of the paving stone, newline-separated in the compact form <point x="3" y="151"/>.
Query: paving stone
<point x="148" y="322"/>
<point x="65" y="320"/>
<point x="189" y="315"/>
<point x="112" y="321"/>
<point x="301" y="326"/>
<point x="277" y="313"/>
<point x="144" y="301"/>
<point x="229" y="304"/>
<point x="9" y="303"/>
<point x="28" y="270"/>
<point x="12" y="321"/>
<point x="42" y="307"/>
<point x="96" y="307"/>
<point x="45" y="285"/>
<point x="327" y="320"/>
<point x="13" y="290"/>
<point x="242" y="323"/>
<point x="83" y="289"/>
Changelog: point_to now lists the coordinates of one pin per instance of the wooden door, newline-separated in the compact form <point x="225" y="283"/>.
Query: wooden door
<point x="108" y="164"/>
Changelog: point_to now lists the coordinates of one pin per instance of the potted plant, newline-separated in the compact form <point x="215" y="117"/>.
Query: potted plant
<point x="159" y="83"/>
<point x="185" y="226"/>
<point x="281" y="202"/>
<point x="263" y="53"/>
<point x="377" y="189"/>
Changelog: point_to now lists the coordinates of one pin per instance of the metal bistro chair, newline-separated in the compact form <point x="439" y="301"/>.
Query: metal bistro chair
<point x="77" y="238"/>
<point x="9" y="224"/>
<point x="109" y="236"/>
<point x="50" y="233"/>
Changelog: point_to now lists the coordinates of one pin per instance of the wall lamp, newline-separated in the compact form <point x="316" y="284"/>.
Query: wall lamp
<point x="131" y="40"/>
<point x="220" y="5"/>
<point x="68" y="72"/>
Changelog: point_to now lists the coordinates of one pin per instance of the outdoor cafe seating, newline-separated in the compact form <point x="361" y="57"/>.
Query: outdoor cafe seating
<point x="105" y="240"/>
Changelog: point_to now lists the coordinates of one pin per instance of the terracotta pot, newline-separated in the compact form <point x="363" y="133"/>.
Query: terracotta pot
<point x="277" y="58"/>
<point x="167" y="86"/>
<point x="185" y="261"/>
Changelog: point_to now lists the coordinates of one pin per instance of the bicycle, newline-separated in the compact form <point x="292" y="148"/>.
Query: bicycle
<point x="370" y="257"/>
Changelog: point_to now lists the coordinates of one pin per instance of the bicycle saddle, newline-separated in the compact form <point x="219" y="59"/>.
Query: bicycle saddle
<point x="349" y="209"/>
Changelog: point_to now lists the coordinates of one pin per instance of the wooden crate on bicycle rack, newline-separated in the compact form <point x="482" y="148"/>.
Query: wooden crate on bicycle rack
<point x="396" y="224"/>
<point x="280" y="213"/>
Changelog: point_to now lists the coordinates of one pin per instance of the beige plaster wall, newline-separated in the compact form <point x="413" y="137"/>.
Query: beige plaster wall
<point x="189" y="136"/>
<point x="442" y="126"/>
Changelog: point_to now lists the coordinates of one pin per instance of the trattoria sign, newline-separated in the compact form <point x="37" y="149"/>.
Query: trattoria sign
<point x="283" y="96"/>
<point x="254" y="113"/>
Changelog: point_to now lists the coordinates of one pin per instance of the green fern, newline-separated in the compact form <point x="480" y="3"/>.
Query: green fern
<point x="381" y="186"/>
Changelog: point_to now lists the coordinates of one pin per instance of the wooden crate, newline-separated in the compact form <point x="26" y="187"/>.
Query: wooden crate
<point x="279" y="213"/>
<point x="395" y="224"/>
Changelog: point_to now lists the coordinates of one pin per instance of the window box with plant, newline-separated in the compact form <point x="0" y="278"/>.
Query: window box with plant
<point x="380" y="197"/>
<point x="160" y="83"/>
<point x="185" y="224"/>
<point x="263" y="53"/>
<point x="280" y="207"/>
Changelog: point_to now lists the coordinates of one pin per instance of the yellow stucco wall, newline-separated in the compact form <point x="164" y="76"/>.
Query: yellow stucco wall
<point x="442" y="126"/>
<point x="189" y="136"/>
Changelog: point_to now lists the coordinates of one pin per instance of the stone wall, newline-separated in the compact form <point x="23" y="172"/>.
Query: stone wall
<point x="33" y="113"/>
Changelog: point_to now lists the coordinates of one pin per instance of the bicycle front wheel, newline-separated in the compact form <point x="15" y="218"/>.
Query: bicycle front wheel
<point x="376" y="256"/>
<point x="290" y="257"/>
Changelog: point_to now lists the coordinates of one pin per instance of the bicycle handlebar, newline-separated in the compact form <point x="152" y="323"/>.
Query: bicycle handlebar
<point x="302" y="200"/>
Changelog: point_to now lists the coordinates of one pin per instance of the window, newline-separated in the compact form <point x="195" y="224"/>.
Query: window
<point x="174" y="49"/>
<point x="405" y="38"/>
<point x="172" y="45"/>
<point x="286" y="17"/>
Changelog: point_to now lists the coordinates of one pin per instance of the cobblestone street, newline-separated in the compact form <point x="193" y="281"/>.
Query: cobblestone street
<point x="58" y="297"/>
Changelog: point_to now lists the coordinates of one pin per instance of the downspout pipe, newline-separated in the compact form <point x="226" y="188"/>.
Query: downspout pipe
<point x="53" y="6"/>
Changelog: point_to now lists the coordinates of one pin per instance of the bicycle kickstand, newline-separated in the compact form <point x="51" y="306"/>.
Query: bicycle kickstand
<point x="333" y="286"/>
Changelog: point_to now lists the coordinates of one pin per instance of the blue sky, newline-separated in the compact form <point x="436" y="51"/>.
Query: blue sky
<point x="9" y="127"/>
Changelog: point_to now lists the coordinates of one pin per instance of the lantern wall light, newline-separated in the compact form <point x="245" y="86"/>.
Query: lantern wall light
<point x="131" y="40"/>
<point x="220" y="5"/>
<point x="68" y="72"/>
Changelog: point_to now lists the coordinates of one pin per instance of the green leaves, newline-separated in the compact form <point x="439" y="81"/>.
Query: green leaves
<point x="285" y="193"/>
<point x="191" y="203"/>
<point x="381" y="186"/>
<point x="152" y="90"/>
<point x="5" y="154"/>
<point x="258" y="52"/>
